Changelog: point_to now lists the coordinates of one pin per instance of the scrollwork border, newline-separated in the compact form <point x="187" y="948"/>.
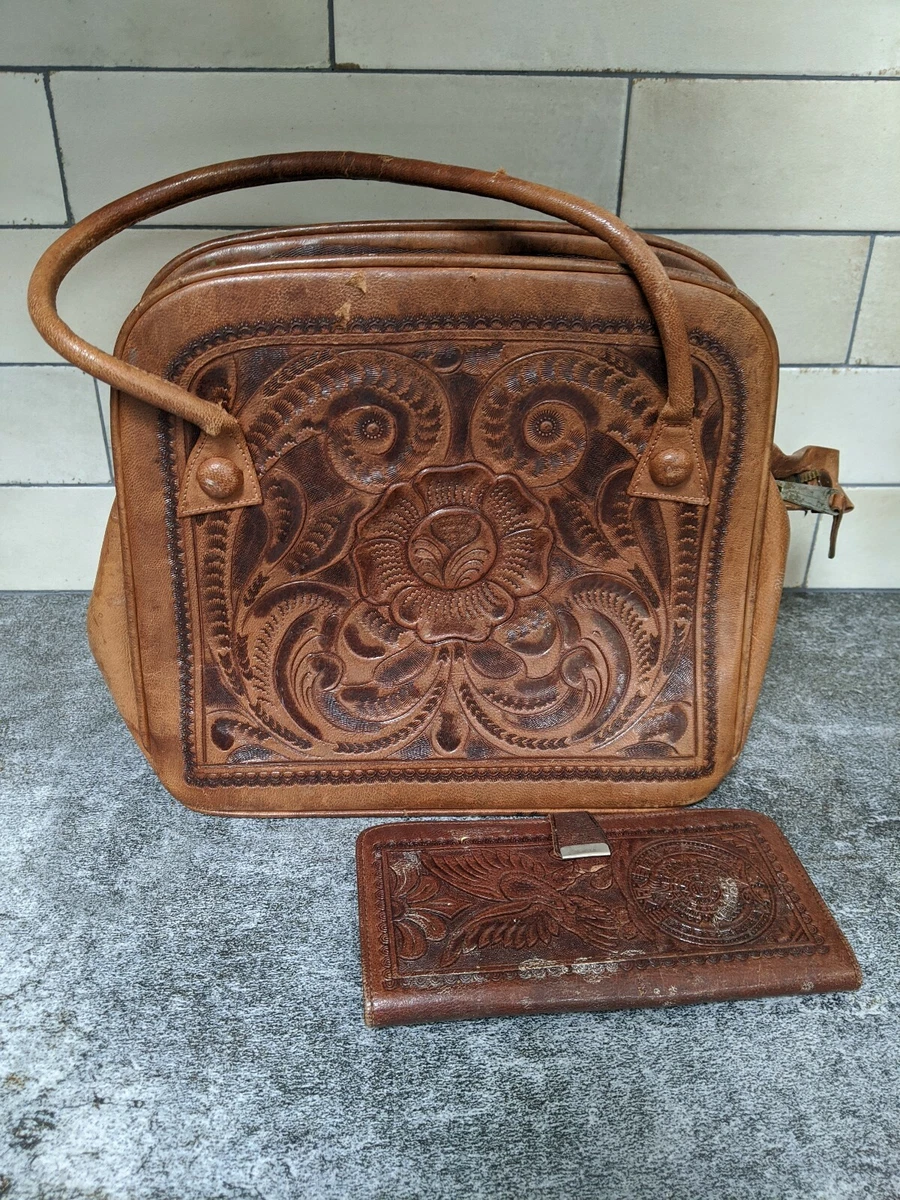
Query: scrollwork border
<point x="382" y="772"/>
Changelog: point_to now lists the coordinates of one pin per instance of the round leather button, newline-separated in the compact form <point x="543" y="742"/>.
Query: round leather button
<point x="668" y="468"/>
<point x="219" y="478"/>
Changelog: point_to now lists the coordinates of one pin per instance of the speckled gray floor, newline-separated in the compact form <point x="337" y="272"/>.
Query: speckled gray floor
<point x="181" y="1016"/>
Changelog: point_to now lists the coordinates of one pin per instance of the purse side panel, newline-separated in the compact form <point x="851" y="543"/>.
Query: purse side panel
<point x="767" y="600"/>
<point x="108" y="628"/>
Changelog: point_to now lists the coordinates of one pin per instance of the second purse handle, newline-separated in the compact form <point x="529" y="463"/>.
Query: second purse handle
<point x="58" y="260"/>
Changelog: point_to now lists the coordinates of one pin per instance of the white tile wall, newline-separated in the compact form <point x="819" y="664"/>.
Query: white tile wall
<point x="30" y="189"/>
<point x="867" y="545"/>
<point x="808" y="287"/>
<point x="822" y="37"/>
<point x="104" y="287"/>
<point x="738" y="145"/>
<point x="856" y="410"/>
<point x="878" y="332"/>
<point x="803" y="532"/>
<point x="51" y="427"/>
<point x="565" y="130"/>
<point x="19" y="251"/>
<point x="96" y="297"/>
<point x="50" y="537"/>
<point x="763" y="154"/>
<point x="236" y="33"/>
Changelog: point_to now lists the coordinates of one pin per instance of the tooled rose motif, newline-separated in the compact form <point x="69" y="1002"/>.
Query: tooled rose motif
<point x="451" y="551"/>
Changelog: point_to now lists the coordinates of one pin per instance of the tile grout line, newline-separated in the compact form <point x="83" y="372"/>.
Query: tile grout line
<point x="859" y="298"/>
<point x="537" y="73"/>
<point x="106" y="444"/>
<point x="331" y="39"/>
<point x="859" y="587"/>
<point x="692" y="231"/>
<point x="812" y="546"/>
<point x="14" y="226"/>
<point x="624" y="151"/>
<point x="830" y="366"/>
<point x="48" y="92"/>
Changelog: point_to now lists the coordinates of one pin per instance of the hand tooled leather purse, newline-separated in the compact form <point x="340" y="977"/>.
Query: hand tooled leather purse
<point x="434" y="516"/>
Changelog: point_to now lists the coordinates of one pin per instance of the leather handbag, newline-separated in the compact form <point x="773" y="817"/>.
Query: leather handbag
<point x="447" y="516"/>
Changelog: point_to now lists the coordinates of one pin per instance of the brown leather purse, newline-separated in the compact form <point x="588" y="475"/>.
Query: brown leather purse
<point x="448" y="516"/>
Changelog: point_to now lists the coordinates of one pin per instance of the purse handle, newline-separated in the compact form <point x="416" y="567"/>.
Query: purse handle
<point x="99" y="226"/>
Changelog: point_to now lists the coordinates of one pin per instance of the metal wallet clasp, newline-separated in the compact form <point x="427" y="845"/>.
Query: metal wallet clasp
<point x="578" y="835"/>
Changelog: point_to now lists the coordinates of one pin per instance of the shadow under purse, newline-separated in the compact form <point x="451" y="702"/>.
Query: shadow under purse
<point x="469" y="919"/>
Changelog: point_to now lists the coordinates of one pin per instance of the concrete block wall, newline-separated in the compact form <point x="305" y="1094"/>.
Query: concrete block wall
<point x="766" y="134"/>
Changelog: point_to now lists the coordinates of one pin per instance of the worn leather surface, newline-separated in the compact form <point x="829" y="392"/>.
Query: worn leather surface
<point x="467" y="919"/>
<point x="519" y="239"/>
<point x="108" y="627"/>
<point x="451" y="595"/>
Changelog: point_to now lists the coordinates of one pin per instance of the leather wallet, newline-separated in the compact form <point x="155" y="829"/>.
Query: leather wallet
<point x="464" y="919"/>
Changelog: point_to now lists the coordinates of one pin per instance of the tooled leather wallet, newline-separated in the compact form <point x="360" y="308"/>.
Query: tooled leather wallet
<point x="462" y="919"/>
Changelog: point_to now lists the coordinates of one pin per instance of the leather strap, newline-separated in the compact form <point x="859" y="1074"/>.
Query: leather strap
<point x="103" y="224"/>
<point x="808" y="482"/>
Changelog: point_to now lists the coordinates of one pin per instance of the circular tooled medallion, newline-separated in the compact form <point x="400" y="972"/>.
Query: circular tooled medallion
<point x="701" y="893"/>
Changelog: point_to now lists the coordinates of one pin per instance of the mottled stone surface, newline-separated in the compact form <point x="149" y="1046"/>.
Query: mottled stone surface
<point x="181" y="1011"/>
